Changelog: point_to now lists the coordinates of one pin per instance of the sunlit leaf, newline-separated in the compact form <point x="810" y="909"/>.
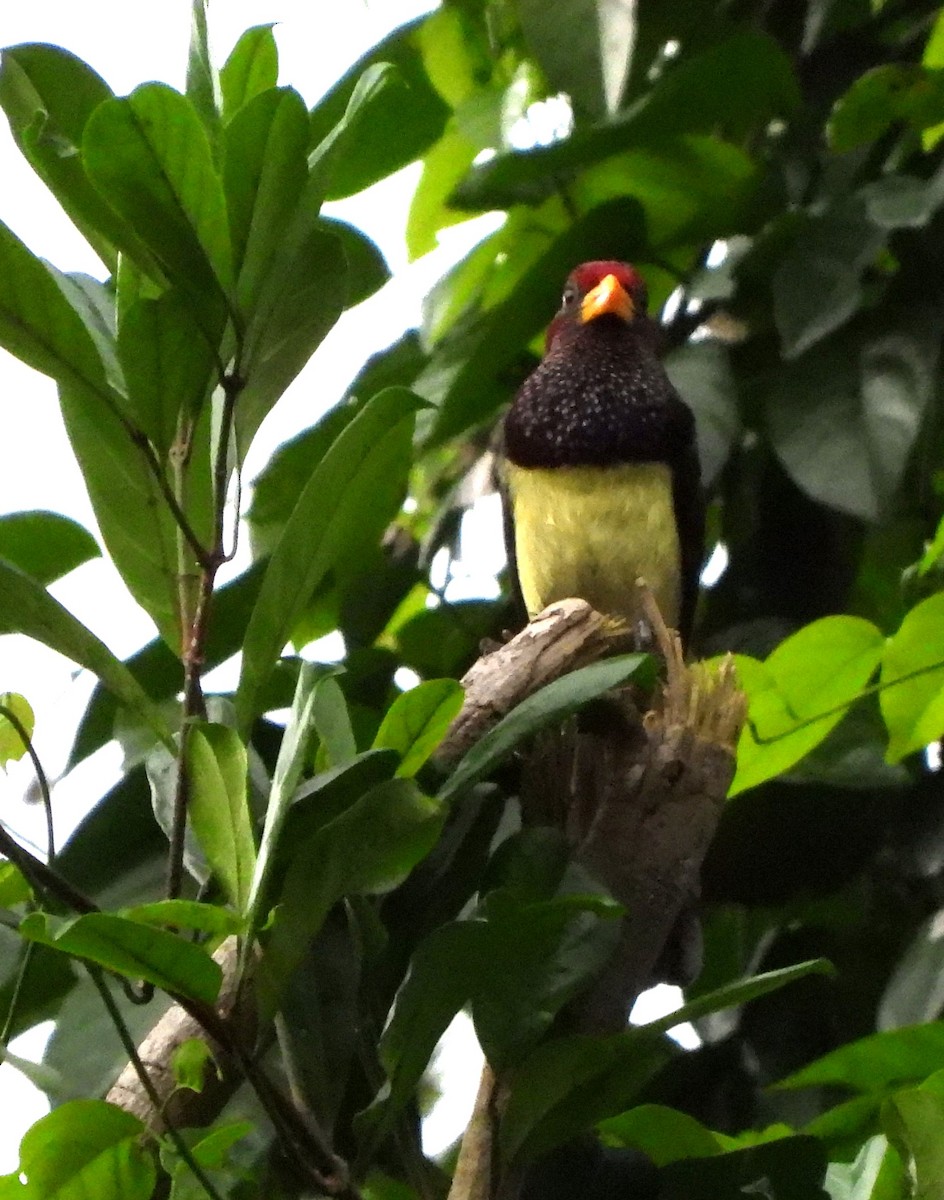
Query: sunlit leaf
<point x="914" y="709"/>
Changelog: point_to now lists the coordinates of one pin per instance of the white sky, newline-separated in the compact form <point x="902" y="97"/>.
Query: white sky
<point x="129" y="43"/>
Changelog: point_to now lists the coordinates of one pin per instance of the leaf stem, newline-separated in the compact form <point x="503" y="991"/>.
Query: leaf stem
<point x="41" y="779"/>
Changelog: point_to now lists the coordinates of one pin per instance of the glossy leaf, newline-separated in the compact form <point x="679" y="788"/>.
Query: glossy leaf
<point x="12" y="745"/>
<point x="819" y="670"/>
<point x="169" y="368"/>
<point x="403" y="120"/>
<point x="417" y="721"/>
<point x="48" y="96"/>
<point x="367" y="849"/>
<point x="914" y="709"/>
<point x="87" y="1148"/>
<point x="252" y="67"/>
<point x="264" y="173"/>
<point x="26" y="607"/>
<point x="895" y="1058"/>
<point x="45" y="545"/>
<point x="149" y="154"/>
<point x="364" y="472"/>
<point x="131" y="949"/>
<point x="549" y="706"/>
<point x="218" y="807"/>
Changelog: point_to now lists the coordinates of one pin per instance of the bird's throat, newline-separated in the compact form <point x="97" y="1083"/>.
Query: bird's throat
<point x="593" y="532"/>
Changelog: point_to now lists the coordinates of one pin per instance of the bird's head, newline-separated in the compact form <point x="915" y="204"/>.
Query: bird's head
<point x="599" y="289"/>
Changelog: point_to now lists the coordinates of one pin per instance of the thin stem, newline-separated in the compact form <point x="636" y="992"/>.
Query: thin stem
<point x="127" y="1041"/>
<point x="43" y="877"/>
<point x="167" y="492"/>
<point x="41" y="779"/>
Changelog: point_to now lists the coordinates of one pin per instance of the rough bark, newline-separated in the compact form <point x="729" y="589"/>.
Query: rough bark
<point x="639" y="795"/>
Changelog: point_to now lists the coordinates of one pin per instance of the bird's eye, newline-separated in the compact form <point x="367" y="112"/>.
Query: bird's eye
<point x="569" y="298"/>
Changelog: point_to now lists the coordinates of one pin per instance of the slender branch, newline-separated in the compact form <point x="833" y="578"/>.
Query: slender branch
<point x="41" y="779"/>
<point x="42" y="877"/>
<point x="167" y="492"/>
<point x="127" y="1041"/>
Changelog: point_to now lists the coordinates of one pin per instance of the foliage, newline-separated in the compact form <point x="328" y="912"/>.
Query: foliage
<point x="776" y="171"/>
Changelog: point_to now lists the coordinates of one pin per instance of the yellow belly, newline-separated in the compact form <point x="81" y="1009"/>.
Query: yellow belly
<point x="592" y="532"/>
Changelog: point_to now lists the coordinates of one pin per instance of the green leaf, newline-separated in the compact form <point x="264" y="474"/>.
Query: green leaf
<point x="264" y="173"/>
<point x="149" y="154"/>
<point x="914" y="709"/>
<point x="820" y="668"/>
<point x="402" y="119"/>
<point x="202" y="83"/>
<point x="817" y="286"/>
<point x="87" y="1148"/>
<point x="913" y="992"/>
<point x="759" y="86"/>
<point x="701" y="373"/>
<point x="417" y="721"/>
<point x="136" y="951"/>
<point x="301" y="299"/>
<point x="48" y="95"/>
<point x="252" y="67"/>
<point x="26" y="607"/>
<point x="662" y="1134"/>
<point x="443" y="168"/>
<point x="875" y="1063"/>
<point x="138" y="529"/>
<point x="190" y="914"/>
<point x="881" y="97"/>
<point x="190" y="1063"/>
<point x="569" y="1084"/>
<point x="549" y="706"/>
<point x="844" y="416"/>
<point x="169" y="367"/>
<point x="45" y="545"/>
<point x="790" y="1168"/>
<point x="12" y="746"/>
<point x="368" y="848"/>
<point x="40" y="325"/>
<point x="564" y="36"/>
<point x="333" y="722"/>
<point x="367" y="271"/>
<point x="914" y="1123"/>
<point x="219" y="808"/>
<point x="363" y="472"/>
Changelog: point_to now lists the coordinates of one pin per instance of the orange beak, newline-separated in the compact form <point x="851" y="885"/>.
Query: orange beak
<point x="609" y="296"/>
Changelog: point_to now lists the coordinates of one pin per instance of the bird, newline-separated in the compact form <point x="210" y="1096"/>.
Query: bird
<point x="599" y="463"/>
